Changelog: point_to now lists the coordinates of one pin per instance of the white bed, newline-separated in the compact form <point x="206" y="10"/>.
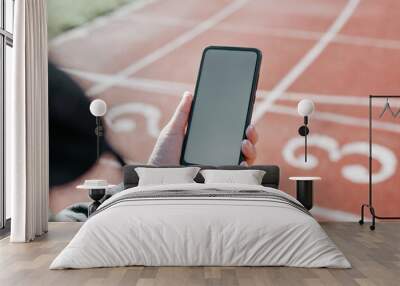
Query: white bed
<point x="184" y="230"/>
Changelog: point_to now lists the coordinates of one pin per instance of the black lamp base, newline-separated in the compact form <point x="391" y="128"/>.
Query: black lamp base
<point x="96" y="195"/>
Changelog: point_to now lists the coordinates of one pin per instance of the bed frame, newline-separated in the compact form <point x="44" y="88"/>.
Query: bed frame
<point x="270" y="179"/>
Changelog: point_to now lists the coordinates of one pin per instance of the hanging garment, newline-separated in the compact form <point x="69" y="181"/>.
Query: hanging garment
<point x="387" y="107"/>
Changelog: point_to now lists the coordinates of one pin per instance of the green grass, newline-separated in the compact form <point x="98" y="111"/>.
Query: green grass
<point x="64" y="15"/>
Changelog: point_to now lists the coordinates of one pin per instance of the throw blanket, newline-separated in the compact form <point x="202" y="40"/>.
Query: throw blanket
<point x="201" y="224"/>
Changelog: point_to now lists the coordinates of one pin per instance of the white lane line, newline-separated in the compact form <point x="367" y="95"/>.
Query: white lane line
<point x="312" y="35"/>
<point x="330" y="99"/>
<point x="82" y="31"/>
<point x="338" y="118"/>
<point x="172" y="45"/>
<point x="175" y="89"/>
<point x="148" y="85"/>
<point x="306" y="61"/>
<point x="369" y="42"/>
<point x="275" y="32"/>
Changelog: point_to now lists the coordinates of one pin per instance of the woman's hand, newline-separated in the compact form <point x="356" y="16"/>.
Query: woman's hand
<point x="168" y="148"/>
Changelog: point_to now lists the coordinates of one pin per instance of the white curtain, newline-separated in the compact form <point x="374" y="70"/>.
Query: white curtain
<point x="27" y="123"/>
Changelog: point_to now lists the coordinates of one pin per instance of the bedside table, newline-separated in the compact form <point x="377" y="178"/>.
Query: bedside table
<point x="96" y="193"/>
<point x="304" y="190"/>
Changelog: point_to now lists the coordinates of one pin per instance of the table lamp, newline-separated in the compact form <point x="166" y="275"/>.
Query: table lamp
<point x="305" y="108"/>
<point x="98" y="108"/>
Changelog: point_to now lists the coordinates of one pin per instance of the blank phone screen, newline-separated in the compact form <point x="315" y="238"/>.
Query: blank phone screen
<point x="221" y="107"/>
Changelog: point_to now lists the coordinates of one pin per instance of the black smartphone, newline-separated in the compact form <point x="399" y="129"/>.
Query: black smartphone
<point x="222" y="106"/>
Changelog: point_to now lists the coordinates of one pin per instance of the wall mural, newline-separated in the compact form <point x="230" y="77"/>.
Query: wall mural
<point x="140" y="56"/>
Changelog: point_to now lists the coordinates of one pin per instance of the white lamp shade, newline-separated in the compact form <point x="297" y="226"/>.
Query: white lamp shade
<point x="98" y="107"/>
<point x="305" y="107"/>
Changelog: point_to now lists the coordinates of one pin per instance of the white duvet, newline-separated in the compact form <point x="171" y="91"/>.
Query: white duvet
<point x="200" y="231"/>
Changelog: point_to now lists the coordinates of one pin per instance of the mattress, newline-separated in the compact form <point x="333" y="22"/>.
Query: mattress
<point x="201" y="225"/>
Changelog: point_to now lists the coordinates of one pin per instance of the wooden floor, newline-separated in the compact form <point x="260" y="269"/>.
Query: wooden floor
<point x="375" y="257"/>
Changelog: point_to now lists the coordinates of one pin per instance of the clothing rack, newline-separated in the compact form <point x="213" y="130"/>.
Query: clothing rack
<point x="370" y="201"/>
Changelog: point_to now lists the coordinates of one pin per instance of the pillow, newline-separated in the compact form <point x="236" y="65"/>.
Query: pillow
<point x="162" y="176"/>
<point x="248" y="177"/>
